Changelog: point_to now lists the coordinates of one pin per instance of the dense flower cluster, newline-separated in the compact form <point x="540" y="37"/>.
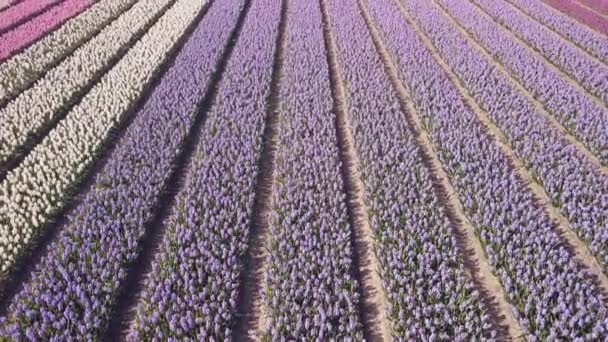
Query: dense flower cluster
<point x="574" y="109"/>
<point x="582" y="14"/>
<point x="22" y="70"/>
<point x="429" y="293"/>
<point x="103" y="234"/>
<point x="593" y="42"/>
<point x="591" y="74"/>
<point x="192" y="290"/>
<point x="33" y="192"/>
<point x="575" y="185"/>
<point x="552" y="296"/>
<point x="15" y="40"/>
<point x="40" y="105"/>
<point x="19" y="12"/>
<point x="310" y="290"/>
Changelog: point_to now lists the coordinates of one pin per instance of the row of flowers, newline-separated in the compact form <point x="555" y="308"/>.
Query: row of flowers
<point x="575" y="110"/>
<point x="22" y="70"/>
<point x="593" y="42"/>
<point x="591" y="74"/>
<point x="429" y="293"/>
<point x="87" y="266"/>
<point x="22" y="11"/>
<point x="39" y="187"/>
<point x="193" y="288"/>
<point x="41" y="105"/>
<point x="310" y="290"/>
<point x="551" y="294"/>
<point x="575" y="185"/>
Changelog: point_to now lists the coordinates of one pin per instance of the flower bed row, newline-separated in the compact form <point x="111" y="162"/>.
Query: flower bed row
<point x="33" y="192"/>
<point x="576" y="186"/>
<point x="591" y="74"/>
<point x="575" y="110"/>
<point x="582" y="14"/>
<point x="310" y="291"/>
<point x="593" y="42"/>
<point x="430" y="296"/>
<point x="551" y="295"/>
<point x="22" y="70"/>
<point x="103" y="235"/>
<point x="23" y="11"/>
<point x="39" y="106"/>
<point x="15" y="40"/>
<point x="192" y="290"/>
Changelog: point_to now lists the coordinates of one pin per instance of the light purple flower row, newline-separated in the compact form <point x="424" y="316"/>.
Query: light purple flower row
<point x="192" y="290"/>
<point x="551" y="295"/>
<point x="430" y="295"/>
<point x="311" y="292"/>
<point x="575" y="110"/>
<point x="575" y="185"/>
<point x="591" y="74"/>
<point x="591" y="41"/>
<point x="73" y="289"/>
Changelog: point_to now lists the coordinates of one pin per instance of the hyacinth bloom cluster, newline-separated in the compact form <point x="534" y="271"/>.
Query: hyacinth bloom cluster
<point x="192" y="290"/>
<point x="591" y="74"/>
<point x="104" y="232"/>
<point x="582" y="14"/>
<point x="309" y="287"/>
<point x="37" y="107"/>
<point x="22" y="70"/>
<point x="593" y="42"/>
<point x="20" y="12"/>
<point x="551" y="295"/>
<point x="15" y="40"/>
<point x="34" y="191"/>
<point x="429" y="293"/>
<point x="5" y="3"/>
<point x="574" y="109"/>
<point x="575" y="185"/>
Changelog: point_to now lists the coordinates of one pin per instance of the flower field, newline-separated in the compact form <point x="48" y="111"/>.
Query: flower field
<point x="279" y="170"/>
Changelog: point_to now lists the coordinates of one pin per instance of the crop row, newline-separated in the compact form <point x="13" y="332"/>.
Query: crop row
<point x="22" y="70"/>
<point x="575" y="185"/>
<point x="429" y="293"/>
<point x="18" y="13"/>
<point x="309" y="287"/>
<point x="600" y="6"/>
<point x="591" y="74"/>
<point x="574" y="109"/>
<point x="36" y="108"/>
<point x="192" y="290"/>
<point x="582" y="14"/>
<point x="33" y="192"/>
<point x="551" y="294"/>
<point x="104" y="233"/>
<point x="15" y="40"/>
<point x="593" y="42"/>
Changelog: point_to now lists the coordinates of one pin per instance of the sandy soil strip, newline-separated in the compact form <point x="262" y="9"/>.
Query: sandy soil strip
<point x="374" y="302"/>
<point x="482" y="275"/>
<point x="563" y="226"/>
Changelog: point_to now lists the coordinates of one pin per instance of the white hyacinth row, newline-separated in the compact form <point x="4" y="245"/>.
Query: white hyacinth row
<point x="39" y="105"/>
<point x="34" y="191"/>
<point x="19" y="72"/>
